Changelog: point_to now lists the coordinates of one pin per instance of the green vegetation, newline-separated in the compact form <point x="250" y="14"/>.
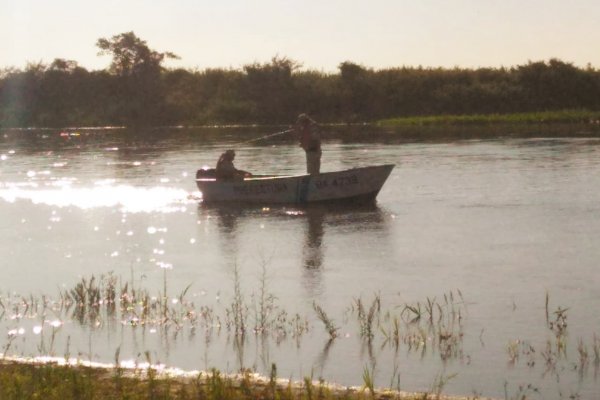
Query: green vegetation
<point x="543" y="117"/>
<point x="136" y="89"/>
<point x="20" y="381"/>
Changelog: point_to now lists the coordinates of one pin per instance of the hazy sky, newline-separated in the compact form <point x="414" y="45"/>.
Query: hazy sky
<point x="320" y="34"/>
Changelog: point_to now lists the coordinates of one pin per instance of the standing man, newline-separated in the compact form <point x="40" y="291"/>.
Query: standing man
<point x="310" y="140"/>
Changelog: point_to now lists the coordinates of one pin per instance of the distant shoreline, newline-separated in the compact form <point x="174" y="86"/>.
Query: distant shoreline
<point x="544" y="117"/>
<point x="564" y="123"/>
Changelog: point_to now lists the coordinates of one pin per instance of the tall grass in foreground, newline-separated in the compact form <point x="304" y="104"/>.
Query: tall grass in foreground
<point x="433" y="326"/>
<point x="20" y="381"/>
<point x="98" y="302"/>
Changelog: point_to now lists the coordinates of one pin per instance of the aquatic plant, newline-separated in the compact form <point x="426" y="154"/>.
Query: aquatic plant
<point x="422" y="323"/>
<point x="365" y="318"/>
<point x="440" y="382"/>
<point x="328" y="322"/>
<point x="596" y="349"/>
<point x="437" y="332"/>
<point x="582" y="350"/>
<point x="369" y="379"/>
<point x="518" y="348"/>
<point x="392" y="334"/>
<point x="237" y="313"/>
<point x="522" y="392"/>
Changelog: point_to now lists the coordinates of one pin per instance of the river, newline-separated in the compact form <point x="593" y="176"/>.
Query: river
<point x="497" y="238"/>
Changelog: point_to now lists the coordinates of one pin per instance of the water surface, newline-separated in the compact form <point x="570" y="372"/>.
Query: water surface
<point x="502" y="222"/>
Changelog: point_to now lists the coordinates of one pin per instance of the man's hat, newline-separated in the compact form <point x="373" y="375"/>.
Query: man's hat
<point x="303" y="118"/>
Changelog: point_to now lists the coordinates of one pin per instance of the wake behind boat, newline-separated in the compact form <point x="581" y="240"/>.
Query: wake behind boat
<point x="356" y="185"/>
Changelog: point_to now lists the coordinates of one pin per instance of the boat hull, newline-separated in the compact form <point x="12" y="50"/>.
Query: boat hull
<point x="356" y="185"/>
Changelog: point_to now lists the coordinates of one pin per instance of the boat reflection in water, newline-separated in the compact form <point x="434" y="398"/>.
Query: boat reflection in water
<point x="318" y="238"/>
<point x="244" y="229"/>
<point x="312" y="251"/>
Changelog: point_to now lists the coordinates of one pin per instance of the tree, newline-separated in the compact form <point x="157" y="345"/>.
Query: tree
<point x="131" y="55"/>
<point x="19" y="95"/>
<point x="139" y="94"/>
<point x="62" y="65"/>
<point x="270" y="88"/>
<point x="354" y="91"/>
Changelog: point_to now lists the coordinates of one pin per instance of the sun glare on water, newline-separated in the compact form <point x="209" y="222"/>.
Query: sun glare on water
<point x="103" y="194"/>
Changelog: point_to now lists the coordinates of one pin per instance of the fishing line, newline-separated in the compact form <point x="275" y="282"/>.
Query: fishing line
<point x="265" y="137"/>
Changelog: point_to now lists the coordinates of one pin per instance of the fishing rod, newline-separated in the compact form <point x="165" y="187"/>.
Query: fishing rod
<point x="266" y="136"/>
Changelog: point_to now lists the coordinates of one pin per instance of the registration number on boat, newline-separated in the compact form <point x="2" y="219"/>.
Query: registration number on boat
<point x="337" y="182"/>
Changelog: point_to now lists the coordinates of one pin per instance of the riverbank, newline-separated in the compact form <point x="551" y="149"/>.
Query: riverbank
<point x="574" y="117"/>
<point x="550" y="124"/>
<point x="63" y="380"/>
<point x="545" y="117"/>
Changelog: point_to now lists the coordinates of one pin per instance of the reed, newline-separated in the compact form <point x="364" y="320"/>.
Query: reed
<point x="554" y="354"/>
<point x="273" y="380"/>
<point x="269" y="317"/>
<point x="328" y="322"/>
<point x="547" y="308"/>
<point x="412" y="313"/>
<point x="440" y="382"/>
<point x="395" y="379"/>
<point x="582" y="350"/>
<point x="549" y="356"/>
<point x="237" y="313"/>
<point x="431" y="321"/>
<point x="366" y="318"/>
<point x="559" y="327"/>
<point x="432" y="326"/>
<point x="522" y="392"/>
<point x="429" y="309"/>
<point x="559" y="324"/>
<point x="95" y="302"/>
<point x="53" y="382"/>
<point x="265" y="304"/>
<point x="369" y="379"/>
<point x="391" y="335"/>
<point x="308" y="388"/>
<point x="596" y="349"/>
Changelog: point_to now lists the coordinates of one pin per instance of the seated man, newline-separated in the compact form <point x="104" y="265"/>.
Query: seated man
<point x="226" y="171"/>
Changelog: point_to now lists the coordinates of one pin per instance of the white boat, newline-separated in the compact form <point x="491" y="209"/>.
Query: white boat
<point x="356" y="185"/>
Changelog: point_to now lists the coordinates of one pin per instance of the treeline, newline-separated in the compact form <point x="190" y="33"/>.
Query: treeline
<point x="137" y="90"/>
